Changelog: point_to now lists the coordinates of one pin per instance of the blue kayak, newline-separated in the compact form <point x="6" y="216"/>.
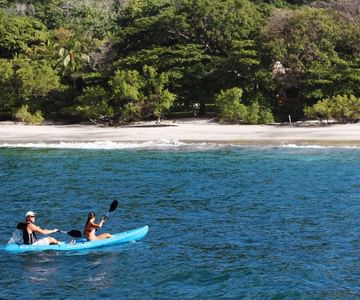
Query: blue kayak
<point x="118" y="238"/>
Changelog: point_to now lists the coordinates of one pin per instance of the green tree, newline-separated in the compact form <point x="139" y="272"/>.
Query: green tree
<point x="18" y="34"/>
<point x="92" y="22"/>
<point x="127" y="97"/>
<point x="344" y="108"/>
<point x="298" y="38"/>
<point x="72" y="60"/>
<point x="331" y="78"/>
<point x="144" y="24"/>
<point x="256" y="114"/>
<point x="229" y="105"/>
<point x="93" y="104"/>
<point x="230" y="108"/>
<point x="266" y="116"/>
<point x="253" y="113"/>
<point x="7" y="95"/>
<point x="241" y="67"/>
<point x="317" y="51"/>
<point x="215" y="24"/>
<point x="51" y="12"/>
<point x="3" y="3"/>
<point x="33" y="82"/>
<point x="158" y="29"/>
<point x="23" y="115"/>
<point x="34" y="79"/>
<point x="186" y="65"/>
<point x="157" y="97"/>
<point x="26" y="82"/>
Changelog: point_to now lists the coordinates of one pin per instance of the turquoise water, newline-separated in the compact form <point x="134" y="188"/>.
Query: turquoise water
<point x="225" y="222"/>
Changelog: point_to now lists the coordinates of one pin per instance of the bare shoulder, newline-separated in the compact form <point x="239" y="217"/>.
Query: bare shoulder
<point x="33" y="227"/>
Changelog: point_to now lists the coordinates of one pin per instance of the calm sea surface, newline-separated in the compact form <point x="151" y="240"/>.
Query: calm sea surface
<point x="225" y="222"/>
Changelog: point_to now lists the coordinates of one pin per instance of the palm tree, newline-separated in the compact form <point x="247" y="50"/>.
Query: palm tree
<point x="73" y="60"/>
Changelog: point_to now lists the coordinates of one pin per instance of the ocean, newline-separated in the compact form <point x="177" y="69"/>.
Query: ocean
<point x="225" y="221"/>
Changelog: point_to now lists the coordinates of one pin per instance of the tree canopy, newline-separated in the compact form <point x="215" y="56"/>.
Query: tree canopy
<point x="119" y="61"/>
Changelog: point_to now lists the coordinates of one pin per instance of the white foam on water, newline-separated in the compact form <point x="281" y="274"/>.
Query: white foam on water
<point x="318" y="146"/>
<point x="162" y="144"/>
<point x="16" y="237"/>
<point x="106" y="145"/>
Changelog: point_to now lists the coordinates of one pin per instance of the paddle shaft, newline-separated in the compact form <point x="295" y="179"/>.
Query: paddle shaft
<point x="73" y="233"/>
<point x="113" y="206"/>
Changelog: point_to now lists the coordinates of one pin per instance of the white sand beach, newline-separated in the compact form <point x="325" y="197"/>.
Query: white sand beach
<point x="191" y="131"/>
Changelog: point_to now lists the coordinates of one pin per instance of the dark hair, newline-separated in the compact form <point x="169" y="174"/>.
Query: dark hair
<point x="90" y="216"/>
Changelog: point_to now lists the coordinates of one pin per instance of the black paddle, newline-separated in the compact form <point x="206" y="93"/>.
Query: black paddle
<point x="113" y="206"/>
<point x="73" y="233"/>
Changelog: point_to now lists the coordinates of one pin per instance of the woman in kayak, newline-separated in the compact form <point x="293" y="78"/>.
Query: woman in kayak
<point x="30" y="229"/>
<point x="91" y="227"/>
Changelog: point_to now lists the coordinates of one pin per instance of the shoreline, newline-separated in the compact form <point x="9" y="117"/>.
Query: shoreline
<point x="193" y="132"/>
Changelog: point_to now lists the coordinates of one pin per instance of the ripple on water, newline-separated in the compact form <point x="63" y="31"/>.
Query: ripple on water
<point x="225" y="222"/>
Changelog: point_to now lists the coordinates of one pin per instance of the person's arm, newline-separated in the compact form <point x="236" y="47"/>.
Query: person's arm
<point x="102" y="222"/>
<point x="38" y="229"/>
<point x="97" y="225"/>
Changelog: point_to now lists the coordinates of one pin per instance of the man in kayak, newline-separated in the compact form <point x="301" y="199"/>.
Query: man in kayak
<point x="91" y="227"/>
<point x="30" y="229"/>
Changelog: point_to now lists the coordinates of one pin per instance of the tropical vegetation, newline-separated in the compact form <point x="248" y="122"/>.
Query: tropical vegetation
<point x="118" y="61"/>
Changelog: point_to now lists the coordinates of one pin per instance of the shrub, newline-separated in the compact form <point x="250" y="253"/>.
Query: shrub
<point x="253" y="113"/>
<point x="344" y="108"/>
<point x="266" y="116"/>
<point x="23" y="115"/>
<point x="231" y="109"/>
<point x="229" y="105"/>
<point x="93" y="104"/>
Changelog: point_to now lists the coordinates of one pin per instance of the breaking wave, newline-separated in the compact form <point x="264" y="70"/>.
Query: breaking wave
<point x="163" y="144"/>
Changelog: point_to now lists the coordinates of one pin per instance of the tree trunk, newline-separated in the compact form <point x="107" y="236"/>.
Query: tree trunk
<point x="202" y="110"/>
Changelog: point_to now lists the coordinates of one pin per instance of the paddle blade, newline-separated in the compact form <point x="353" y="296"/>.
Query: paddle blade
<point x="75" y="233"/>
<point x="21" y="226"/>
<point x="113" y="205"/>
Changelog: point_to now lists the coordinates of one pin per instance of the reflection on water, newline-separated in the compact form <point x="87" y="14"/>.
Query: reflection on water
<point x="39" y="268"/>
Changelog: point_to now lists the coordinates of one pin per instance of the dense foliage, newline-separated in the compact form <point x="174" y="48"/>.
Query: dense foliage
<point x="343" y="108"/>
<point x="119" y="61"/>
